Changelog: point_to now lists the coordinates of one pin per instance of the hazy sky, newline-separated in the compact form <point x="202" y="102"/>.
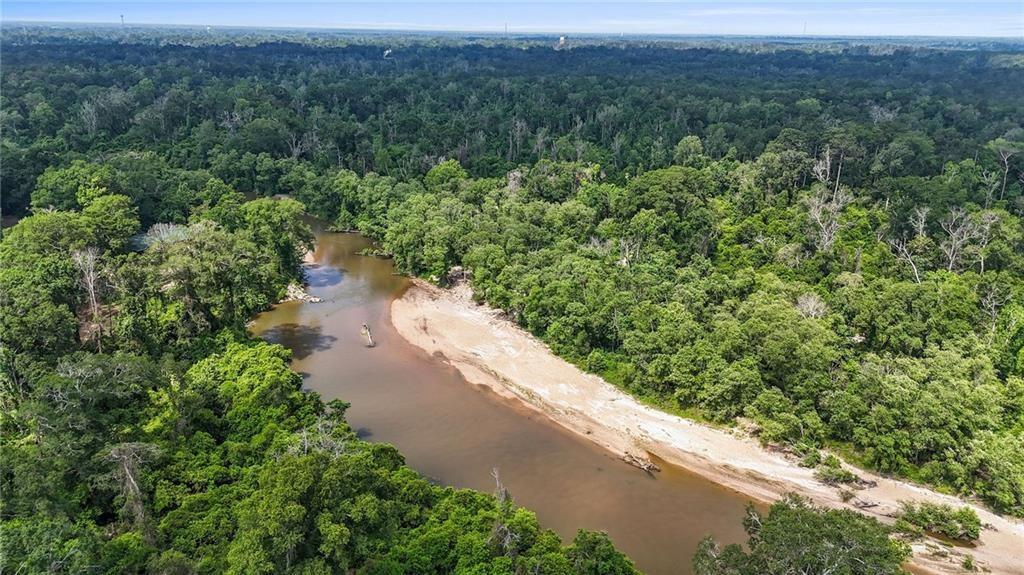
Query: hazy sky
<point x="838" y="17"/>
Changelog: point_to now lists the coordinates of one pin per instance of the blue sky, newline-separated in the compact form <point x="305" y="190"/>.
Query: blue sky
<point x="838" y="17"/>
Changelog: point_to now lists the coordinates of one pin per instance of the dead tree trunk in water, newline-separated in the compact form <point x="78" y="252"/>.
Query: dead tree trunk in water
<point x="369" y="337"/>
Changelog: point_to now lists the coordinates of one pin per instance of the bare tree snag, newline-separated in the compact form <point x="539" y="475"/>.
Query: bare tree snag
<point x="87" y="261"/>
<point x="824" y="214"/>
<point x="128" y="459"/>
<point x="960" y="230"/>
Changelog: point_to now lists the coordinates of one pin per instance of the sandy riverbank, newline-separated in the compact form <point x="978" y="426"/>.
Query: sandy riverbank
<point x="489" y="350"/>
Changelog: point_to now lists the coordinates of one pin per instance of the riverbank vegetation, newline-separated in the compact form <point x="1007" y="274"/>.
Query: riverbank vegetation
<point x="826" y="243"/>
<point x="144" y="431"/>
<point x="796" y="537"/>
<point x="962" y="523"/>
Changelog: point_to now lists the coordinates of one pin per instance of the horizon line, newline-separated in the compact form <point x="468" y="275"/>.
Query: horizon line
<point x="501" y="32"/>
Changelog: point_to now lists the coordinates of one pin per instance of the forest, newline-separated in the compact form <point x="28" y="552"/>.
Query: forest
<point x="824" y="246"/>
<point x="145" y="432"/>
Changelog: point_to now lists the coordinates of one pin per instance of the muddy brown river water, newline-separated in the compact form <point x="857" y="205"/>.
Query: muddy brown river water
<point x="455" y="433"/>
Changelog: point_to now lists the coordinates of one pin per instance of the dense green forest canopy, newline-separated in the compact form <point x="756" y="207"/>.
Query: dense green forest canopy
<point x="260" y="117"/>
<point x="825" y="243"/>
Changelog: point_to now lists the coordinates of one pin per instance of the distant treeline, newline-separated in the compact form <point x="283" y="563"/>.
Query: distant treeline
<point x="259" y="117"/>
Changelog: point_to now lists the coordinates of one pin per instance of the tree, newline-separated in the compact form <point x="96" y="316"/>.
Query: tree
<point x="38" y="281"/>
<point x="594" y="554"/>
<point x="279" y="225"/>
<point x="30" y="319"/>
<point x="825" y="213"/>
<point x="987" y="226"/>
<point x="962" y="523"/>
<point x="795" y="537"/>
<point x="66" y="188"/>
<point x="1004" y="150"/>
<point x="689" y="152"/>
<point x="904" y="252"/>
<point x="960" y="231"/>
<point x="87" y="262"/>
<point x="995" y="471"/>
<point x="445" y="176"/>
<point x="110" y="221"/>
<point x="128" y="460"/>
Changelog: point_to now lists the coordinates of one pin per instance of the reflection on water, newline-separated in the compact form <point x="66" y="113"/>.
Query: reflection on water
<point x="455" y="432"/>
<point x="323" y="276"/>
<point x="303" y="340"/>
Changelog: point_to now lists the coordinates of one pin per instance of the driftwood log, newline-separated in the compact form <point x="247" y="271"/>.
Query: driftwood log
<point x="863" y="504"/>
<point x="641" y="462"/>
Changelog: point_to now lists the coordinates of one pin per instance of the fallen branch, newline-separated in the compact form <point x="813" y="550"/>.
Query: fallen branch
<point x="641" y="462"/>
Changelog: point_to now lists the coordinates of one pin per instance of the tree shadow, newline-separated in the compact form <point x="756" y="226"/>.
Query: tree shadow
<point x="323" y="276"/>
<point x="303" y="340"/>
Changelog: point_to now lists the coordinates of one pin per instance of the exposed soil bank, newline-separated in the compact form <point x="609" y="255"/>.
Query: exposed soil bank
<point x="491" y="351"/>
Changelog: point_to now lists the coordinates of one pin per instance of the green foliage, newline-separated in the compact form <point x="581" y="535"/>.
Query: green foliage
<point x="71" y="187"/>
<point x="110" y="221"/>
<point x="739" y="314"/>
<point x="594" y="553"/>
<point x="279" y="225"/>
<point x="795" y="537"/>
<point x="831" y="472"/>
<point x="445" y="177"/>
<point x="669" y="286"/>
<point x="960" y="523"/>
<point x="995" y="469"/>
<point x="38" y="282"/>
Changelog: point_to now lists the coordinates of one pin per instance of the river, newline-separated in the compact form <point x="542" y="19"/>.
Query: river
<point x="455" y="433"/>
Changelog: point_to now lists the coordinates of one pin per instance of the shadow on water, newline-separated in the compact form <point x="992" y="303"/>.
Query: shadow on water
<point x="323" y="276"/>
<point x="303" y="340"/>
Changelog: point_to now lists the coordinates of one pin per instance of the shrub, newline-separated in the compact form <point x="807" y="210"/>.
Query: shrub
<point x="831" y="472"/>
<point x="962" y="523"/>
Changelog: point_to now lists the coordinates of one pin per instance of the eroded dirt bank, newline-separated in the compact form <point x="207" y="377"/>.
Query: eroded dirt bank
<point x="489" y="350"/>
